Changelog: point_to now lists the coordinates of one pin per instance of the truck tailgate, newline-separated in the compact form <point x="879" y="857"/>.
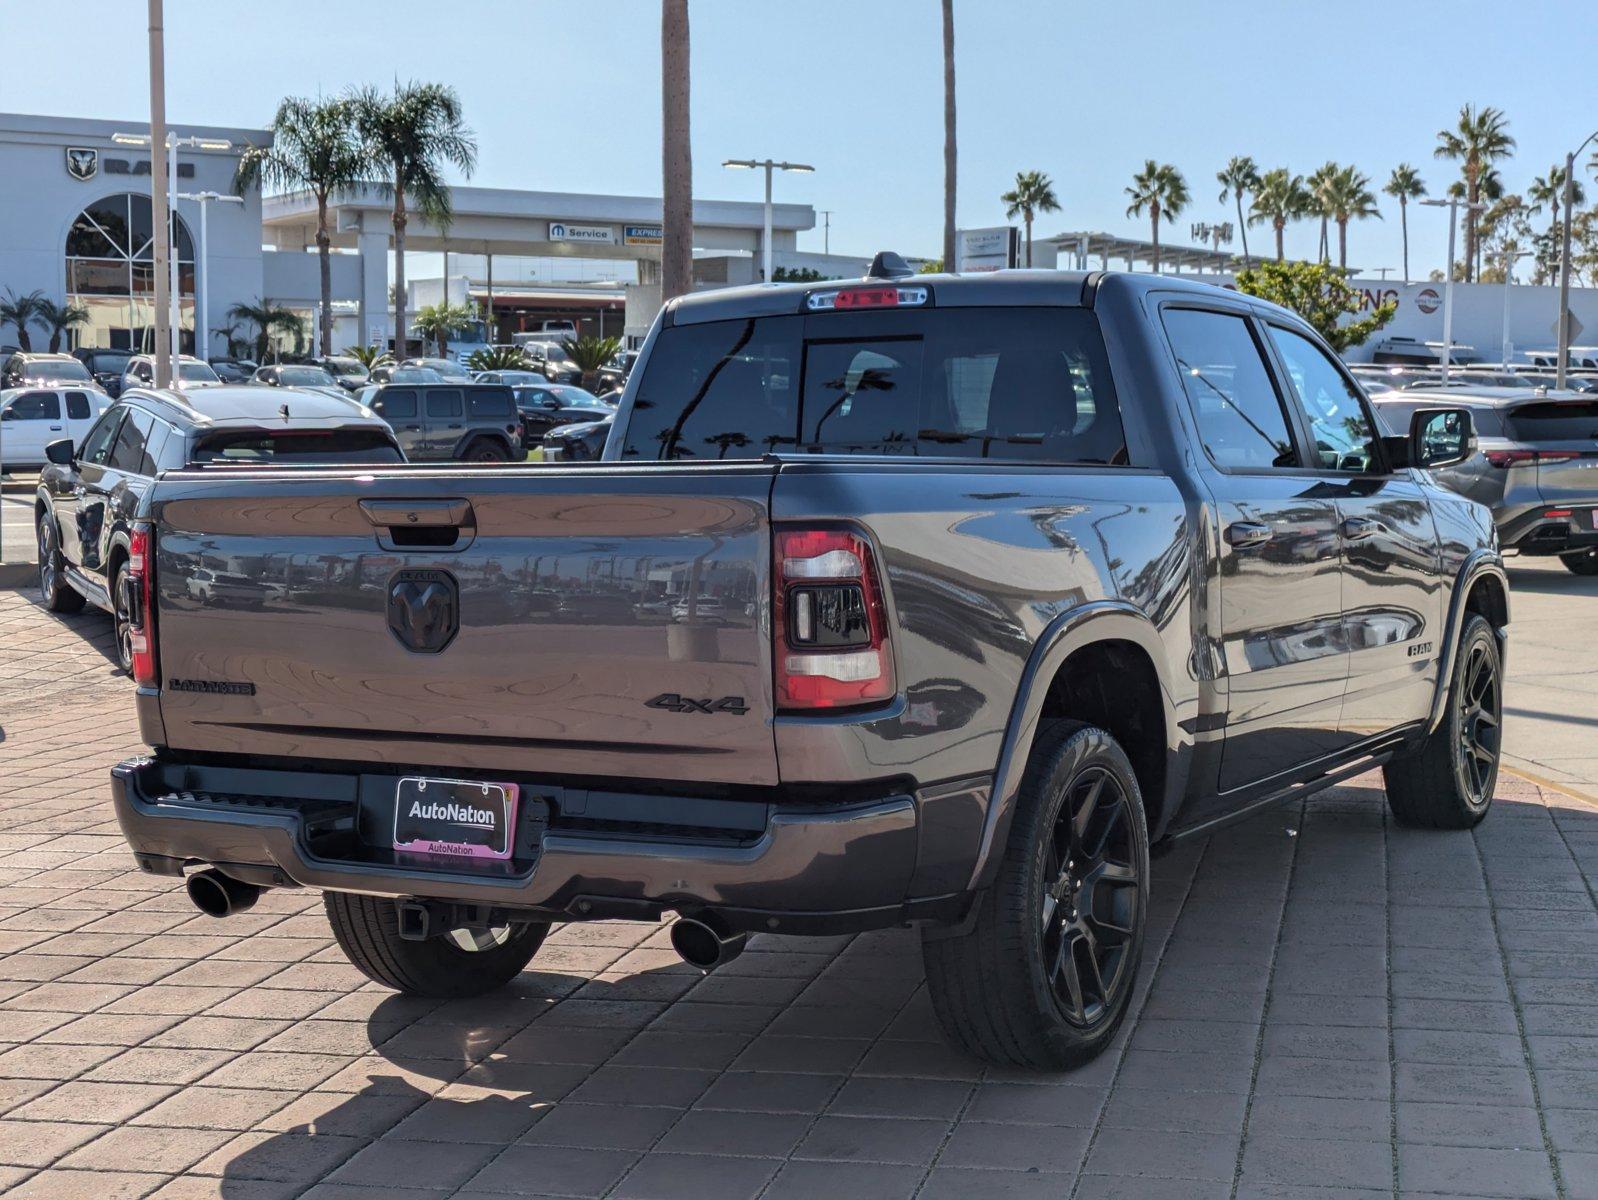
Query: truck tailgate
<point x="592" y="621"/>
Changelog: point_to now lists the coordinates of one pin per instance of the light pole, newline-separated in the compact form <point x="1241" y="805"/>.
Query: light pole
<point x="202" y="310"/>
<point x="751" y="164"/>
<point x="1509" y="258"/>
<point x="1453" y="204"/>
<point x="173" y="297"/>
<point x="1564" y="261"/>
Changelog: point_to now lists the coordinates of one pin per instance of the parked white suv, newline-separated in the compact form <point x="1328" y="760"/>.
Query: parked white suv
<point x="191" y="373"/>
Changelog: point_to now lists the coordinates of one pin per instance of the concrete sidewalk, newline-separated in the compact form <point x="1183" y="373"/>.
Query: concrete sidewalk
<point x="1333" y="1009"/>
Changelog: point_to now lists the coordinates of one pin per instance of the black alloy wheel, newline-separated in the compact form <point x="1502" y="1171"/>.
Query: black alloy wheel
<point x="121" y="618"/>
<point x="1581" y="562"/>
<point x="1480" y="703"/>
<point x="1090" y="898"/>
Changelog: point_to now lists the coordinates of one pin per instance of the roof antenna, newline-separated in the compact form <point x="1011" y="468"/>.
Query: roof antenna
<point x="888" y="265"/>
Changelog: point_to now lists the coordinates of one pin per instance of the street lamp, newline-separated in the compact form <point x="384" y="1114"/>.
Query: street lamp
<point x="174" y="307"/>
<point x="202" y="328"/>
<point x="1509" y="258"/>
<point x="751" y="164"/>
<point x="1453" y="204"/>
<point x="1564" y="261"/>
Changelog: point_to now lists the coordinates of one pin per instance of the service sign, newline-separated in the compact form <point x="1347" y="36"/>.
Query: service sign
<point x="642" y="235"/>
<point x="564" y="231"/>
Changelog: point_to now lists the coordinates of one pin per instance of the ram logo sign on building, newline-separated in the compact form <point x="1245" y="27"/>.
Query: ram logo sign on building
<point x="562" y="231"/>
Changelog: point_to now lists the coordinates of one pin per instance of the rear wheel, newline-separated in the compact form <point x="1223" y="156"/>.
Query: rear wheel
<point x="1044" y="975"/>
<point x="1448" y="783"/>
<point x="486" y="452"/>
<point x="56" y="593"/>
<point x="1582" y="562"/>
<point x="460" y="962"/>
<point x="121" y="621"/>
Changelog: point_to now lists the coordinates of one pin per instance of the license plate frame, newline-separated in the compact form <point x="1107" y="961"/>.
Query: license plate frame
<point x="428" y="809"/>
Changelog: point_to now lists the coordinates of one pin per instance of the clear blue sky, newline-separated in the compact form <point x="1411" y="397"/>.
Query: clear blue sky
<point x="565" y="95"/>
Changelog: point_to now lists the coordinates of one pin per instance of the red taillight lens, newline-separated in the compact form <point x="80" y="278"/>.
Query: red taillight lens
<point x="139" y="579"/>
<point x="1527" y="458"/>
<point x="829" y="625"/>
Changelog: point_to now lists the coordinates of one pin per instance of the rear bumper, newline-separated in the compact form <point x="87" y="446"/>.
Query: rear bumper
<point x="1534" y="532"/>
<point x="813" y="869"/>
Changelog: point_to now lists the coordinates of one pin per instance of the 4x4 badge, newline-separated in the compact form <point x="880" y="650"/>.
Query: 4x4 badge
<point x="672" y="702"/>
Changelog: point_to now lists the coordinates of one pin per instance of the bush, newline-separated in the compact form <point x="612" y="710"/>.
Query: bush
<point x="1319" y="293"/>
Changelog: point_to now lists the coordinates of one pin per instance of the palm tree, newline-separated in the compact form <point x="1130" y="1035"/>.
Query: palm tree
<point x="1549" y="189"/>
<point x="1239" y="177"/>
<point x="1489" y="188"/>
<point x="1404" y="185"/>
<point x="439" y="321"/>
<point x="21" y="311"/>
<point x="58" y="318"/>
<point x="1351" y="199"/>
<point x="1159" y="188"/>
<point x="1319" y="184"/>
<point x="268" y="318"/>
<point x="1281" y="197"/>
<point x="676" y="154"/>
<point x="314" y="148"/>
<point x="376" y="356"/>
<point x="1479" y="139"/>
<point x="1033" y="193"/>
<point x="590" y="353"/>
<point x="413" y="136"/>
<point x="949" y="174"/>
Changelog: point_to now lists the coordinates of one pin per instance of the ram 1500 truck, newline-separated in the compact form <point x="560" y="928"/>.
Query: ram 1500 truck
<point x="932" y="601"/>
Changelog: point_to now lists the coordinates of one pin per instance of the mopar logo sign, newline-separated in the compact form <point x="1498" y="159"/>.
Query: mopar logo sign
<point x="561" y="231"/>
<point x="424" y="610"/>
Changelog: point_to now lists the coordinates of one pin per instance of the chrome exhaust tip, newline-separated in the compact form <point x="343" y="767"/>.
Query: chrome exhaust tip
<point x="219" y="895"/>
<point x="704" y="946"/>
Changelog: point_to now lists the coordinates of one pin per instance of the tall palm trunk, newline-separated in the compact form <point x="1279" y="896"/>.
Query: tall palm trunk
<point x="1471" y="173"/>
<point x="1342" y="243"/>
<point x="400" y="221"/>
<point x="1154" y="216"/>
<point x="1242" y="227"/>
<point x="677" y="168"/>
<point x="1026" y="218"/>
<point x="949" y="174"/>
<point x="1279" y="225"/>
<point x="323" y="244"/>
<point x="1403" y="224"/>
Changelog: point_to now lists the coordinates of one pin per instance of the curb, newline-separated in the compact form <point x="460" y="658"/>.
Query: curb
<point x="1542" y="781"/>
<point x="17" y="575"/>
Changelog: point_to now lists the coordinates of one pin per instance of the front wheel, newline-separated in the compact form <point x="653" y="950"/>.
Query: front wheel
<point x="56" y="593"/>
<point x="458" y="963"/>
<point x="1043" y="976"/>
<point x="1581" y="562"/>
<point x="1448" y="783"/>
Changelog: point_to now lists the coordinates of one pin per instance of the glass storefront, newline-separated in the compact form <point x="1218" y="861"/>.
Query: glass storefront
<point x="111" y="273"/>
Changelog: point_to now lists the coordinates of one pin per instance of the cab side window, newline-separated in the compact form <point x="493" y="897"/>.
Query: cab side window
<point x="96" y="448"/>
<point x="35" y="406"/>
<point x="1340" y="429"/>
<point x="1240" y="417"/>
<point x="77" y="406"/>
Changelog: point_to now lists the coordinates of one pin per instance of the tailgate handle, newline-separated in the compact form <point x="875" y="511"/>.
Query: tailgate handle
<point x="402" y="514"/>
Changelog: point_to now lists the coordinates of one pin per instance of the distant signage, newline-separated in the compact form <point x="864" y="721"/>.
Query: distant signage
<point x="1427" y="300"/>
<point x="83" y="162"/>
<point x="562" y="231"/>
<point x="990" y="249"/>
<point x="642" y="235"/>
<point x="123" y="166"/>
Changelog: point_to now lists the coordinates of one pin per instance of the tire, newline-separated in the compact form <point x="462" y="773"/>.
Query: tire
<point x="1001" y="988"/>
<point x="367" y="930"/>
<point x="1582" y="562"/>
<point x="57" y="594"/>
<point x="1448" y="782"/>
<point x="485" y="452"/>
<point x="121" y="626"/>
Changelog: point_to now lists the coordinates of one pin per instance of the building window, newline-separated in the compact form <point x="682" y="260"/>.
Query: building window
<point x="110" y="259"/>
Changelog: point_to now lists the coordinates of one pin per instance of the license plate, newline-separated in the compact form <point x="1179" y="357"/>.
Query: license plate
<point x="454" y="818"/>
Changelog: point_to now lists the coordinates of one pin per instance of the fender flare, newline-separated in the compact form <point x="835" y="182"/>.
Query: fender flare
<point x="1098" y="621"/>
<point x="1480" y="564"/>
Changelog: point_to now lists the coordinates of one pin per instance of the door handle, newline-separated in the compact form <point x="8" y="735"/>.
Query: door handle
<point x="55" y="429"/>
<point x="1358" y="528"/>
<point x="1245" y="535"/>
<point x="413" y="429"/>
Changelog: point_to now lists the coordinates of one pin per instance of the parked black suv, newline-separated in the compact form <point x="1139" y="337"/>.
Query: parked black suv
<point x="105" y="365"/>
<point x="88" y="493"/>
<point x="468" y="422"/>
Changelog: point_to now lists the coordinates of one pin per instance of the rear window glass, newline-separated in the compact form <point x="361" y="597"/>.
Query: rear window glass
<point x="489" y="402"/>
<point x="395" y="404"/>
<point x="294" y="447"/>
<point x="1555" y="421"/>
<point x="1014" y="383"/>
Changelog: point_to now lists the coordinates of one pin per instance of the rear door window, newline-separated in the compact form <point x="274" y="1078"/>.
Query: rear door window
<point x="1240" y="418"/>
<point x="1016" y="383"/>
<point x="397" y="404"/>
<point x="131" y="453"/>
<point x="444" y="402"/>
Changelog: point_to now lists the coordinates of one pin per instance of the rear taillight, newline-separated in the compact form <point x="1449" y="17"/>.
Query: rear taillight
<point x="1527" y="458"/>
<point x="140" y="582"/>
<point x="829" y="626"/>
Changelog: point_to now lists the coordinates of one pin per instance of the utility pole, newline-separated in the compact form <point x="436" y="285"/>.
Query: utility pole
<point x="1564" y="263"/>
<point x="160" y="218"/>
<point x="826" y="231"/>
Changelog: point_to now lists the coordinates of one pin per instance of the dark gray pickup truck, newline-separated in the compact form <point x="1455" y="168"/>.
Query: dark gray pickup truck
<point x="929" y="601"/>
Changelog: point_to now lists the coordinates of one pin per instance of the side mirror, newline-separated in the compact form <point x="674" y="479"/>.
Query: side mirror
<point x="7" y="415"/>
<point x="1441" y="437"/>
<point x="59" y="452"/>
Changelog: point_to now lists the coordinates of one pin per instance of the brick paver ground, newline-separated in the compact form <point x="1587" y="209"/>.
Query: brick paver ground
<point x="1336" y="1009"/>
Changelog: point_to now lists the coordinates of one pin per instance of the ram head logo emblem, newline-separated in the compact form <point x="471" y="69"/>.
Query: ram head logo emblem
<point x="83" y="162"/>
<point x="424" y="610"/>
